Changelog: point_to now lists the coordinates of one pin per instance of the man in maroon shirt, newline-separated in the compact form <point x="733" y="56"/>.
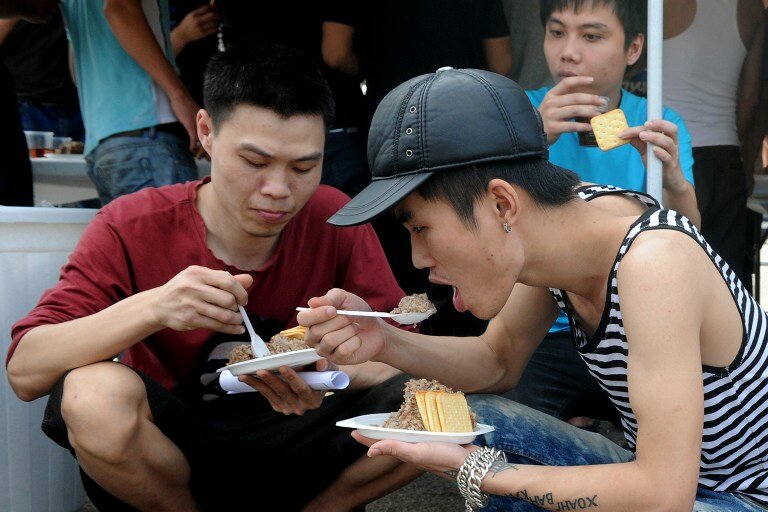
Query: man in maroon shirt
<point x="157" y="279"/>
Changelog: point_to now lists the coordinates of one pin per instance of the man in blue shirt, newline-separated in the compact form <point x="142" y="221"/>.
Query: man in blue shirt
<point x="589" y="44"/>
<point x="139" y="117"/>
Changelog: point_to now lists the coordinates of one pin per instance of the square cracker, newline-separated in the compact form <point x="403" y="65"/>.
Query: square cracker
<point x="454" y="413"/>
<point x="432" y="413"/>
<point x="607" y="127"/>
<point x="421" y="403"/>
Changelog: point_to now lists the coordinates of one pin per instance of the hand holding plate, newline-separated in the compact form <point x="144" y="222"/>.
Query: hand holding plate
<point x="287" y="392"/>
<point x="442" y="459"/>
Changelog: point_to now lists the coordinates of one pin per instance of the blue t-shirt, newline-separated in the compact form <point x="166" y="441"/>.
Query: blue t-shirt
<point x="621" y="167"/>
<point x="115" y="92"/>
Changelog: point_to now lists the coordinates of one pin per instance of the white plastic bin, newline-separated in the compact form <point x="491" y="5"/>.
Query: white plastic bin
<point x="36" y="475"/>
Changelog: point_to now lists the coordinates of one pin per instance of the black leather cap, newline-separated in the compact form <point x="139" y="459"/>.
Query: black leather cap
<point x="444" y="120"/>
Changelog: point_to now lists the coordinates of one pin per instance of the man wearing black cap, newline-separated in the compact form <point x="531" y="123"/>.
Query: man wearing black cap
<point x="659" y="319"/>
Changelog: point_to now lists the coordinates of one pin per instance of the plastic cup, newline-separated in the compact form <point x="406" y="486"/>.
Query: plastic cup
<point x="38" y="143"/>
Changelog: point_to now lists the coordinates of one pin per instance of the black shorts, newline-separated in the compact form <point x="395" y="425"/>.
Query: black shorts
<point x="241" y="452"/>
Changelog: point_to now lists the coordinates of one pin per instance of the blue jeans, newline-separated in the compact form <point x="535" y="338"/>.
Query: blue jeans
<point x="556" y="381"/>
<point x="531" y="437"/>
<point x="62" y="121"/>
<point x="122" y="165"/>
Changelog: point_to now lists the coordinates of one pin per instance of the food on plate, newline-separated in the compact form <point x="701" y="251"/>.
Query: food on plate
<point x="429" y="405"/>
<point x="416" y="303"/>
<point x="607" y="128"/>
<point x="74" y="147"/>
<point x="288" y="340"/>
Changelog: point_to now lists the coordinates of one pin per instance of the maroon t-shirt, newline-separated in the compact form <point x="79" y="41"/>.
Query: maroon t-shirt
<point x="141" y="241"/>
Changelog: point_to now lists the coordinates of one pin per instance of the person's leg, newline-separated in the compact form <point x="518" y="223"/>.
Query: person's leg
<point x="344" y="162"/>
<point x="71" y="122"/>
<point x="109" y="425"/>
<point x="531" y="437"/>
<point x="712" y="501"/>
<point x="367" y="479"/>
<point x="37" y="117"/>
<point x="123" y="165"/>
<point x="282" y="450"/>
<point x="722" y="197"/>
<point x="16" y="171"/>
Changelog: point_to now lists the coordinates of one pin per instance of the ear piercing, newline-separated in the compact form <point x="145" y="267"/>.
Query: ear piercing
<point x="506" y="227"/>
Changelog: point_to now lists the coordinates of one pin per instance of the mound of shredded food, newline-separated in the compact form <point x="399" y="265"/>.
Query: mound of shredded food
<point x="416" y="303"/>
<point x="408" y="416"/>
<point x="289" y="340"/>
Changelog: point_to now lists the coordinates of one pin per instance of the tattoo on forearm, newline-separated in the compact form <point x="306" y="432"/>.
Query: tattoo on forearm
<point x="548" y="499"/>
<point x="499" y="466"/>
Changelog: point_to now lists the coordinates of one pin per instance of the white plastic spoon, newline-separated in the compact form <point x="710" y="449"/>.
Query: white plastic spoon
<point x="401" y="318"/>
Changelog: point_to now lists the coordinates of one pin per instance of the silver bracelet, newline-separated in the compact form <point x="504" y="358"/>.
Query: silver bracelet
<point x="471" y="475"/>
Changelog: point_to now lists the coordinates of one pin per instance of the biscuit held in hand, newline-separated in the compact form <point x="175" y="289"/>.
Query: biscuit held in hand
<point x="607" y="128"/>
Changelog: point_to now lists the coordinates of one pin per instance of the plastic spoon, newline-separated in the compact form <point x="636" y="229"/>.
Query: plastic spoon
<point x="401" y="318"/>
<point x="258" y="346"/>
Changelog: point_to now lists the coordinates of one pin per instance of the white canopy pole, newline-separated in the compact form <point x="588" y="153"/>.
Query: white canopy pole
<point x="654" y="41"/>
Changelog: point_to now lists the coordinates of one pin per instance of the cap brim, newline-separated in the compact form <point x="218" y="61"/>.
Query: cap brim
<point x="376" y="198"/>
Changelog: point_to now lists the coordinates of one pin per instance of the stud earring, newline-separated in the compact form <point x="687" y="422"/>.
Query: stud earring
<point x="506" y="227"/>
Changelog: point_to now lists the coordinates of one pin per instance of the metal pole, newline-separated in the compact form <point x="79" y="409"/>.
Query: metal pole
<point x="655" y="40"/>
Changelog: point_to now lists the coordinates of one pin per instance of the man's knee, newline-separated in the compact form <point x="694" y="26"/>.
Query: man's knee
<point x="102" y="406"/>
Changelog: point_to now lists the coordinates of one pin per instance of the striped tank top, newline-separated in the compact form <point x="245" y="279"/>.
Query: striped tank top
<point x="734" y="450"/>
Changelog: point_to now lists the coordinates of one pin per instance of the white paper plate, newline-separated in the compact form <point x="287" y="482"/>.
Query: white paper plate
<point x="290" y="359"/>
<point x="368" y="425"/>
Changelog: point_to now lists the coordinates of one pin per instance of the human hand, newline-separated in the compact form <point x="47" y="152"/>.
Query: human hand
<point x="663" y="135"/>
<point x="286" y="391"/>
<point x="198" y="297"/>
<point x="442" y="459"/>
<point x="200" y="23"/>
<point x="340" y="338"/>
<point x="564" y="102"/>
<point x="185" y="108"/>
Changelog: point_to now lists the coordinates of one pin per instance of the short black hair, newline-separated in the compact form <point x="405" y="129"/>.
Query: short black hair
<point x="547" y="184"/>
<point x="267" y="75"/>
<point x="632" y="14"/>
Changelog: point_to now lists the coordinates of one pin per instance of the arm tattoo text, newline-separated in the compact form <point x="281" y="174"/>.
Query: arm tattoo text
<point x="548" y="499"/>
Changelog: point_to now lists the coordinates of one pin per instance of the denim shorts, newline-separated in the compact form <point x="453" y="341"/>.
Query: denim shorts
<point x="528" y="436"/>
<point x="123" y="165"/>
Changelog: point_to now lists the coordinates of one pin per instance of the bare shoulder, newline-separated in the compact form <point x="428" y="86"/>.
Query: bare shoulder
<point x="664" y="246"/>
<point x="668" y="261"/>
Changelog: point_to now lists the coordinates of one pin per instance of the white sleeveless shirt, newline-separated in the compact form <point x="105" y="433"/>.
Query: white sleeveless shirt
<point x="701" y="73"/>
